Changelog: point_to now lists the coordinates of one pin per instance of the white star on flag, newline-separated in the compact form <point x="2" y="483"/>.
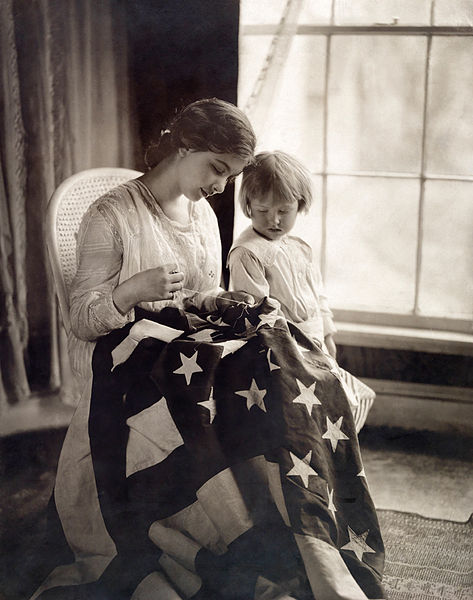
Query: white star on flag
<point x="302" y="468"/>
<point x="254" y="396"/>
<point x="362" y="473"/>
<point x="189" y="366"/>
<point x="331" y="505"/>
<point x="272" y="366"/>
<point x="268" y="319"/>
<point x="204" y="335"/>
<point x="210" y="405"/>
<point x="357" y="544"/>
<point x="333" y="433"/>
<point x="307" y="396"/>
<point x="230" y="346"/>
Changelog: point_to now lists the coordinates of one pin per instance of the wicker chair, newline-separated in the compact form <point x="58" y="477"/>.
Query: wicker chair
<point x="63" y="216"/>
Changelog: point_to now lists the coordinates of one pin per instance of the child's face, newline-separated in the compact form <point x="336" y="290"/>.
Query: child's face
<point x="273" y="217"/>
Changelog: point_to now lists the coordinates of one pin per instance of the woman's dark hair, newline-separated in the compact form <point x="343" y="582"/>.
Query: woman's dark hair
<point x="207" y="125"/>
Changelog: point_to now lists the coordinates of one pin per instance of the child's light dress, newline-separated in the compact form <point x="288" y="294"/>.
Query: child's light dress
<point x="286" y="271"/>
<point x="126" y="232"/>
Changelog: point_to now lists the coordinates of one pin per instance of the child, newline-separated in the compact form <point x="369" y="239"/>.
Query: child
<point x="266" y="261"/>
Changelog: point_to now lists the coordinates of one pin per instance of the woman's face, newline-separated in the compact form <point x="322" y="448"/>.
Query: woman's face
<point x="202" y="174"/>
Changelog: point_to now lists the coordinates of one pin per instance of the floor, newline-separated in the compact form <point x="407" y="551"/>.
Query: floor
<point x="424" y="472"/>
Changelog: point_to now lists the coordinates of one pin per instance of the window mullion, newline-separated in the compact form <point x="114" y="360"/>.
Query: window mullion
<point x="323" y="244"/>
<point x="420" y="222"/>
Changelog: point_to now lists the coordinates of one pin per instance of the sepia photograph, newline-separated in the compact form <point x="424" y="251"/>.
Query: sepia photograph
<point x="236" y="308"/>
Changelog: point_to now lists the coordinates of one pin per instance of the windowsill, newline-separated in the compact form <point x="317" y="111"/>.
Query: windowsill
<point x="404" y="338"/>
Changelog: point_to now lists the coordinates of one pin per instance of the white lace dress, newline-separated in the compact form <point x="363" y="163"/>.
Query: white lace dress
<point x="285" y="270"/>
<point x="122" y="233"/>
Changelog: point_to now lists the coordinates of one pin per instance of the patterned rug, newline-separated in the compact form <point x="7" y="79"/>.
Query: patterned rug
<point x="427" y="559"/>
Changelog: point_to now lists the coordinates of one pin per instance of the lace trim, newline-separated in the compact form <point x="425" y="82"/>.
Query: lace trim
<point x="155" y="209"/>
<point x="104" y="303"/>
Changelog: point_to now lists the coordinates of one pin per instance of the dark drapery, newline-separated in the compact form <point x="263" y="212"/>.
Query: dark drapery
<point x="70" y="69"/>
<point x="180" y="52"/>
<point x="64" y="107"/>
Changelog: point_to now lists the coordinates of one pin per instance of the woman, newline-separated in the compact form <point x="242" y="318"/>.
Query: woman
<point x="151" y="242"/>
<point x="186" y="471"/>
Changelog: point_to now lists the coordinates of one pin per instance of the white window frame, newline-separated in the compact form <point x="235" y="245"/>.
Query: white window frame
<point x="407" y="320"/>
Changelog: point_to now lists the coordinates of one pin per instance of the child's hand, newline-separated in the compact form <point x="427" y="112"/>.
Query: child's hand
<point x="331" y="347"/>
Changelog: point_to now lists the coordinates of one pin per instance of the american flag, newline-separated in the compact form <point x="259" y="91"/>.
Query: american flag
<point x="227" y="465"/>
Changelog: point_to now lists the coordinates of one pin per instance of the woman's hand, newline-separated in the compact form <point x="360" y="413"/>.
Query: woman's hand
<point x="226" y="299"/>
<point x="159" y="283"/>
<point x="215" y="300"/>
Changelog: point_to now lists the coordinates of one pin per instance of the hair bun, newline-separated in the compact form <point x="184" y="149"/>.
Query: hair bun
<point x="156" y="151"/>
<point x="207" y="125"/>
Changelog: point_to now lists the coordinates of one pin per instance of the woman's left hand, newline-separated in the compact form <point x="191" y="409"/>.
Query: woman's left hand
<point x="225" y="299"/>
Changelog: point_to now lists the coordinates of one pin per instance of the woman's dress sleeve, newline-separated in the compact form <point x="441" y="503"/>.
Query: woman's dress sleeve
<point x="99" y="255"/>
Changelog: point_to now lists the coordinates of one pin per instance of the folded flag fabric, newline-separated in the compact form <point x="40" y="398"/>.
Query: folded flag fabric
<point x="144" y="328"/>
<point x="226" y="466"/>
<point x="363" y="395"/>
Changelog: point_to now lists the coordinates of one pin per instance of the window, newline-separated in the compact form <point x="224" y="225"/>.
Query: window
<point x="375" y="98"/>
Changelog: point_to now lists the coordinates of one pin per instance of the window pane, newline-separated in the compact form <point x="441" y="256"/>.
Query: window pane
<point x="376" y="103"/>
<point x="261" y="12"/>
<point x="368" y="12"/>
<point x="446" y="284"/>
<point x="450" y="107"/>
<point x="253" y="50"/>
<point x="309" y="226"/>
<point x="269" y="12"/>
<point x="371" y="243"/>
<point x="240" y="221"/>
<point x="292" y="120"/>
<point x="316" y="13"/>
<point x="453" y="12"/>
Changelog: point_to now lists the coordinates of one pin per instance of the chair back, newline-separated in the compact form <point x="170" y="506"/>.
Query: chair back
<point x="65" y="210"/>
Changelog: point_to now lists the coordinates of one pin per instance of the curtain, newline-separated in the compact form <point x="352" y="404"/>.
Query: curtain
<point x="13" y="320"/>
<point x="180" y="52"/>
<point x="266" y="85"/>
<point x="64" y="107"/>
<point x="257" y="99"/>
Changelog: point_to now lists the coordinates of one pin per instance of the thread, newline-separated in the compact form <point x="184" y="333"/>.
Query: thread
<point x="213" y="296"/>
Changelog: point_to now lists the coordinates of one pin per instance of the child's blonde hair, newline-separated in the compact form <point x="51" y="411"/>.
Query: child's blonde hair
<point x="279" y="173"/>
